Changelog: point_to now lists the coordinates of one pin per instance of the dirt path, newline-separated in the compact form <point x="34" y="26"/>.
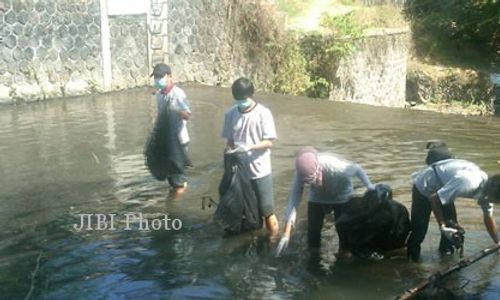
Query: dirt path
<point x="310" y="20"/>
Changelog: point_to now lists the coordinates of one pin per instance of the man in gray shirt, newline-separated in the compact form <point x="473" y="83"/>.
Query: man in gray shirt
<point x="439" y="185"/>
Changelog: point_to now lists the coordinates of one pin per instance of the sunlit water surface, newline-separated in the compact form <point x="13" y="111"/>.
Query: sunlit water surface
<point x="61" y="158"/>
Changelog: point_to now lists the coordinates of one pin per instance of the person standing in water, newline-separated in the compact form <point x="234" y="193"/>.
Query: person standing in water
<point x="249" y="127"/>
<point x="171" y="97"/>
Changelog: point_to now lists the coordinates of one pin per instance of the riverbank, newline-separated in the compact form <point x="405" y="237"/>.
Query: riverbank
<point x="355" y="53"/>
<point x="430" y="84"/>
<point x="454" y="108"/>
<point x="448" y="89"/>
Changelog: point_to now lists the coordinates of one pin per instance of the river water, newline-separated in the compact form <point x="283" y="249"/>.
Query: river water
<point x="62" y="158"/>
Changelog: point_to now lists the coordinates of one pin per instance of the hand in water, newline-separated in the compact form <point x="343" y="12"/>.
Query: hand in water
<point x="448" y="232"/>
<point x="282" y="245"/>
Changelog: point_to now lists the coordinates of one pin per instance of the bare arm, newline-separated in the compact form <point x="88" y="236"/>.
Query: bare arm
<point x="229" y="144"/>
<point x="437" y="209"/>
<point x="491" y="227"/>
<point x="184" y="114"/>
<point x="361" y="174"/>
<point x="294" y="199"/>
<point x="265" y="144"/>
<point x="288" y="230"/>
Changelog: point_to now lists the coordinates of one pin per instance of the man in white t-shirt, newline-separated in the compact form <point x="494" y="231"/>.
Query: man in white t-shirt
<point x="249" y="127"/>
<point x="438" y="185"/>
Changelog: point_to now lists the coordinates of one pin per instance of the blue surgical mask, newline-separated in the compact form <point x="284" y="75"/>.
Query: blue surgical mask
<point x="161" y="83"/>
<point x="243" y="103"/>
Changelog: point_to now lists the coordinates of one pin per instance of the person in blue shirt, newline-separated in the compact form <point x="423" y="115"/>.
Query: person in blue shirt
<point x="330" y="189"/>
<point x="437" y="186"/>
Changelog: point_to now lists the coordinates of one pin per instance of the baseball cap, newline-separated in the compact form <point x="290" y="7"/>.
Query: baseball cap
<point x="160" y="70"/>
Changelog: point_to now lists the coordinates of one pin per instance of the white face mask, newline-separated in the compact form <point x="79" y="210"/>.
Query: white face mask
<point x="243" y="103"/>
<point x="161" y="83"/>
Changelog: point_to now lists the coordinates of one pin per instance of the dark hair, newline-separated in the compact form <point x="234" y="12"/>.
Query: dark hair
<point x="242" y="88"/>
<point x="435" y="143"/>
<point x="492" y="188"/>
<point x="437" y="150"/>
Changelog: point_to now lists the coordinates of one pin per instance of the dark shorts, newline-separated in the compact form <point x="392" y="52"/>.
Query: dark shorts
<point x="178" y="178"/>
<point x="263" y="189"/>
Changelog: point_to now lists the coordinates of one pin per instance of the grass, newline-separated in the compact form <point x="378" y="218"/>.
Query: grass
<point x="429" y="46"/>
<point x="379" y="16"/>
<point x="383" y="16"/>
<point x="294" y="8"/>
<point x="434" y="47"/>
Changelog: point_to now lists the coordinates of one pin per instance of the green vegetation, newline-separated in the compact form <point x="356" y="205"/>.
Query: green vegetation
<point x="379" y="16"/>
<point x="275" y="46"/>
<point x="290" y="67"/>
<point x="448" y="33"/>
<point x="457" y="33"/>
<point x="294" y="8"/>
<point x="334" y="38"/>
<point x="463" y="38"/>
<point x="324" y="51"/>
<point x="303" y="63"/>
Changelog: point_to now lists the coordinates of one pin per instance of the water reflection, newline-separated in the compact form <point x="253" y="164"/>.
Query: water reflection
<point x="84" y="155"/>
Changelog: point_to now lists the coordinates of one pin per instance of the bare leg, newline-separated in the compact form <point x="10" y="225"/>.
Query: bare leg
<point x="272" y="226"/>
<point x="179" y="191"/>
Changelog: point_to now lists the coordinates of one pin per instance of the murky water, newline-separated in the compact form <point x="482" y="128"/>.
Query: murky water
<point x="66" y="157"/>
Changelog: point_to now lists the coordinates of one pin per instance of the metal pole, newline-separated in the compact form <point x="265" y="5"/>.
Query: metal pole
<point x="105" y="46"/>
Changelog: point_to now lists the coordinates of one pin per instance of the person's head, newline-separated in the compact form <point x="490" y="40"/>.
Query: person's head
<point x="162" y="74"/>
<point x="307" y="166"/>
<point x="437" y="150"/>
<point x="243" y="90"/>
<point x="492" y="189"/>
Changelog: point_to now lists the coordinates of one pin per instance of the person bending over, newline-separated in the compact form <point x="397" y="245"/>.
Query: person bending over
<point x="437" y="186"/>
<point x="330" y="189"/>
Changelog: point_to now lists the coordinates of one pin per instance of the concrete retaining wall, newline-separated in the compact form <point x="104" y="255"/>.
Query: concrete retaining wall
<point x="375" y="73"/>
<point x="56" y="48"/>
<point x="49" y="49"/>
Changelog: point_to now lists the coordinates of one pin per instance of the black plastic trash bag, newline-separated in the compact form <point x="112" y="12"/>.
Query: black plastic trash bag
<point x="238" y="210"/>
<point x="374" y="222"/>
<point x="163" y="151"/>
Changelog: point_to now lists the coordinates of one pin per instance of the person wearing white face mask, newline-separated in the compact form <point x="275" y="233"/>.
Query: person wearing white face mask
<point x="174" y="99"/>
<point x="249" y="127"/>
